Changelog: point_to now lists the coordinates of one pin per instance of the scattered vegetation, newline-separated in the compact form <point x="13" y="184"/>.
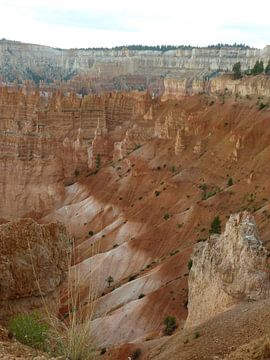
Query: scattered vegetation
<point x="215" y="226"/>
<point x="157" y="193"/>
<point x="141" y="296"/>
<point x="190" y="263"/>
<point x="76" y="172"/>
<point x="170" y="325"/>
<point x="196" y="335"/>
<point x="90" y="233"/>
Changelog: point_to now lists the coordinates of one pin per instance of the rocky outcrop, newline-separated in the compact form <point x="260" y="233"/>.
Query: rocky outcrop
<point x="227" y="269"/>
<point x="33" y="261"/>
<point x="247" y="86"/>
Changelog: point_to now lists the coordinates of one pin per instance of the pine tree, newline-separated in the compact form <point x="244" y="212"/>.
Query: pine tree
<point x="237" y="70"/>
<point x="267" y="69"/>
<point x="215" y="226"/>
<point x="258" y="68"/>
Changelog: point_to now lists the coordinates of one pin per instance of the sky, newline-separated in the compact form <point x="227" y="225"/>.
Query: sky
<point x="108" y="23"/>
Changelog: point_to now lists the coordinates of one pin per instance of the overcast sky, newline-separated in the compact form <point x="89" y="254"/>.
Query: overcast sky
<point x="88" y="23"/>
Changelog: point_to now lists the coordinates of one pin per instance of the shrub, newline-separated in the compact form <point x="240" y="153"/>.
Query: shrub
<point x="208" y="194"/>
<point x="230" y="182"/>
<point x="103" y="351"/>
<point x="170" y="325"/>
<point x="166" y="216"/>
<point x="76" y="172"/>
<point x="110" y="280"/>
<point x="157" y="193"/>
<point x="90" y="233"/>
<point x="141" y="296"/>
<point x="215" y="226"/>
<point x="30" y="330"/>
<point x="190" y="263"/>
<point x="136" y="354"/>
<point x="262" y="105"/>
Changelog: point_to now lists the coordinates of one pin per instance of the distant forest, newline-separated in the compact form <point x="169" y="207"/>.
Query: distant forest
<point x="164" y="48"/>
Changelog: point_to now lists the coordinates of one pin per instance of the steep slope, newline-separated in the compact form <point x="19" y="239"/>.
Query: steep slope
<point x="147" y="210"/>
<point x="162" y="178"/>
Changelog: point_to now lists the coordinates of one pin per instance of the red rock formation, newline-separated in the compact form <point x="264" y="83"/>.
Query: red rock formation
<point x="33" y="260"/>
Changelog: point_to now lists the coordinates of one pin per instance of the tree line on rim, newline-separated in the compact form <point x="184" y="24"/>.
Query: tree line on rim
<point x="257" y="69"/>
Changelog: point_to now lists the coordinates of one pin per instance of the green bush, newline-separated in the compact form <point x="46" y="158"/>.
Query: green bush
<point x="30" y="330"/>
<point x="190" y="263"/>
<point x="170" y="325"/>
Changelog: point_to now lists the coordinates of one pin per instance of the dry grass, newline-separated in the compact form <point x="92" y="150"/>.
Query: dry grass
<point x="71" y="337"/>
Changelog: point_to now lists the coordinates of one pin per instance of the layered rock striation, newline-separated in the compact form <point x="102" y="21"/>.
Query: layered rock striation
<point x="227" y="269"/>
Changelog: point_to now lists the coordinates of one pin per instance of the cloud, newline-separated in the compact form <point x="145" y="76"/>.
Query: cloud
<point x="86" y="23"/>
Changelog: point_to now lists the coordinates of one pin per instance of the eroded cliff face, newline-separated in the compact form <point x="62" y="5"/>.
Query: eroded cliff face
<point x="227" y="269"/>
<point x="47" y="140"/>
<point x="33" y="260"/>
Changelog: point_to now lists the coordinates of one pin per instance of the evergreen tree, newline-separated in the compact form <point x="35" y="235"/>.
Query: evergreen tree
<point x="258" y="68"/>
<point x="215" y="226"/>
<point x="237" y="70"/>
<point x="267" y="69"/>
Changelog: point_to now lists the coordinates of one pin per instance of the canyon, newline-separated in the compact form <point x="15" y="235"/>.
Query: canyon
<point x="133" y="179"/>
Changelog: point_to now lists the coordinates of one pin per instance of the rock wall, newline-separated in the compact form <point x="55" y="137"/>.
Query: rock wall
<point x="227" y="269"/>
<point x="33" y="260"/>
